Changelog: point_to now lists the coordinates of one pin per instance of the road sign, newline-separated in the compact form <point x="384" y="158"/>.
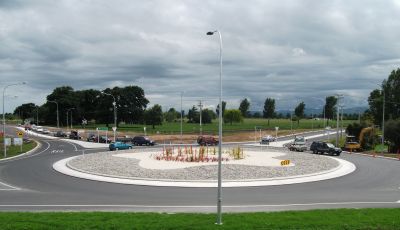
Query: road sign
<point x="7" y="141"/>
<point x="285" y="162"/>
<point x="17" y="141"/>
<point x="102" y="128"/>
<point x="114" y="128"/>
<point x="20" y="133"/>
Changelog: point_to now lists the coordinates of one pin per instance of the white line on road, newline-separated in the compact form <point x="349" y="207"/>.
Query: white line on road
<point x="195" y="206"/>
<point x="7" y="185"/>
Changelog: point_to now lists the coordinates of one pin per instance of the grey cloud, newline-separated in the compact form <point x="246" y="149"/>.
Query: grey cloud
<point x="291" y="50"/>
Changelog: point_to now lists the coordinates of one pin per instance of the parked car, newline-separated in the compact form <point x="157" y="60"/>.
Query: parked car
<point x="124" y="139"/>
<point x="320" y="147"/>
<point x="119" y="145"/>
<point x="267" y="139"/>
<point x="60" y="133"/>
<point x="46" y="131"/>
<point x="298" y="145"/>
<point x="91" y="137"/>
<point x="101" y="139"/>
<point x="207" y="140"/>
<point x="74" y="135"/>
<point x="141" y="140"/>
<point x="39" y="129"/>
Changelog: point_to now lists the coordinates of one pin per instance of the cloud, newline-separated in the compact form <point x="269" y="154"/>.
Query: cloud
<point x="292" y="50"/>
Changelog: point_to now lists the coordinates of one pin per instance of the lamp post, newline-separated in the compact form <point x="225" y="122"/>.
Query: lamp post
<point x="337" y="118"/>
<point x="37" y="115"/>
<point x="115" y="111"/>
<point x="219" y="198"/>
<point x="58" y="122"/>
<point x="4" y="117"/>
<point x="181" y="115"/>
<point x="70" y="109"/>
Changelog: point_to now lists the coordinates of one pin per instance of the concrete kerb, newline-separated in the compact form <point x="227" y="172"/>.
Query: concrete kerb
<point x="344" y="168"/>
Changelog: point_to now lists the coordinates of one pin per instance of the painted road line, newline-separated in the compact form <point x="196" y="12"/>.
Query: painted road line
<point x="7" y="187"/>
<point x="198" y="206"/>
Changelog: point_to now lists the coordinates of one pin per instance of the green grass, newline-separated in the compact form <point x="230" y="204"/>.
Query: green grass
<point x="15" y="150"/>
<point x="247" y="125"/>
<point x="315" y="219"/>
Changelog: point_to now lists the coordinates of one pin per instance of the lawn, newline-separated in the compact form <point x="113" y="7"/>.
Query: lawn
<point x="15" y="150"/>
<point x="314" y="219"/>
<point x="248" y="124"/>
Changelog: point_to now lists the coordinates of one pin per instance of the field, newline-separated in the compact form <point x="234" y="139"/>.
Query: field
<point x="315" y="219"/>
<point x="249" y="124"/>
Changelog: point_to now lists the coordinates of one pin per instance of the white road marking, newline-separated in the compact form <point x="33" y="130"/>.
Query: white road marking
<point x="195" y="206"/>
<point x="7" y="185"/>
<point x="28" y="156"/>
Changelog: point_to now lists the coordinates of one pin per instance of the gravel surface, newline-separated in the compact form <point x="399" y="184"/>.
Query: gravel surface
<point x="105" y="164"/>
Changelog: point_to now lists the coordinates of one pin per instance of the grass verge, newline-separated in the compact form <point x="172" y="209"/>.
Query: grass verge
<point x="16" y="150"/>
<point x="314" y="219"/>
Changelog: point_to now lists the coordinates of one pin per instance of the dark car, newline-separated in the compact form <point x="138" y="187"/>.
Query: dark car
<point x="74" y="135"/>
<point x="319" y="147"/>
<point x="207" y="140"/>
<point x="119" y="146"/>
<point x="91" y="137"/>
<point x="141" y="140"/>
<point x="60" y="133"/>
<point x="125" y="139"/>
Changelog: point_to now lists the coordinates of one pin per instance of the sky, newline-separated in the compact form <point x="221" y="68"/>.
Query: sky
<point x="292" y="51"/>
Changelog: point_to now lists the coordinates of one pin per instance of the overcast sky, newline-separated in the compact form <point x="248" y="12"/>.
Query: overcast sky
<point x="289" y="50"/>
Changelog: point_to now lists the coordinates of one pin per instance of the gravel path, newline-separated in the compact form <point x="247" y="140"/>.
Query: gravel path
<point x="105" y="164"/>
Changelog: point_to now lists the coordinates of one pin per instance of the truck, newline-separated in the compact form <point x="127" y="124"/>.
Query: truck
<point x="298" y="145"/>
<point x="353" y="144"/>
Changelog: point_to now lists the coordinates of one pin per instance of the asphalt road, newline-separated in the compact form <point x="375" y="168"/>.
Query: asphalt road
<point x="29" y="183"/>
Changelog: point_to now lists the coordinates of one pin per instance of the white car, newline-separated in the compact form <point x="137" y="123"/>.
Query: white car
<point x="39" y="129"/>
<point x="267" y="139"/>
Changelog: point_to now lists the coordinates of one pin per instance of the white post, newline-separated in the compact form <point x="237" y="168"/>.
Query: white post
<point x="219" y="197"/>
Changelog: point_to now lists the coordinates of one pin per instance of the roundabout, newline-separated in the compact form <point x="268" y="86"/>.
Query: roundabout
<point x="157" y="167"/>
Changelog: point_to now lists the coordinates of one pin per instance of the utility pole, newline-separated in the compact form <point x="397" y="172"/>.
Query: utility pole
<point x="201" y="128"/>
<point x="337" y="118"/>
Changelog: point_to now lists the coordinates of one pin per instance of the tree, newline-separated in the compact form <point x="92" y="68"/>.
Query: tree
<point x="233" y="115"/>
<point x="269" y="108"/>
<point x="192" y="115"/>
<point x="330" y="107"/>
<point x="171" y="115"/>
<point x="223" y="108"/>
<point x="299" y="111"/>
<point x="392" y="134"/>
<point x="391" y="88"/>
<point x="244" y="107"/>
<point x="207" y="116"/>
<point x="154" y="115"/>
<point x="26" y="111"/>
<point x="375" y="101"/>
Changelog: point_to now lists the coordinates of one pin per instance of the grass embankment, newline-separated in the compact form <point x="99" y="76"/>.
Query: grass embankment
<point x="15" y="150"/>
<point x="315" y="219"/>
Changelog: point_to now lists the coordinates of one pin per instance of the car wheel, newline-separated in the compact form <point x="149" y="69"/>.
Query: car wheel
<point x="116" y="149"/>
<point x="130" y="147"/>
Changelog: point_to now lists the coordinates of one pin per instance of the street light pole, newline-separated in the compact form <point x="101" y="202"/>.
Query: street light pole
<point x="4" y="117"/>
<point x="219" y="198"/>
<point x="337" y="118"/>
<point x="115" y="112"/>
<point x="181" y="115"/>
<point x="70" y="109"/>
<point x="383" y="120"/>
<point x="58" y="122"/>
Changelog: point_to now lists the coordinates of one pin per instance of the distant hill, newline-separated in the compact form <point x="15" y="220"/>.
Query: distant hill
<point x="352" y="110"/>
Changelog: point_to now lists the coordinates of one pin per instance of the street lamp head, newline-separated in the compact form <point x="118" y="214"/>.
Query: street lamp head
<point x="210" y="33"/>
<point x="24" y="82"/>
